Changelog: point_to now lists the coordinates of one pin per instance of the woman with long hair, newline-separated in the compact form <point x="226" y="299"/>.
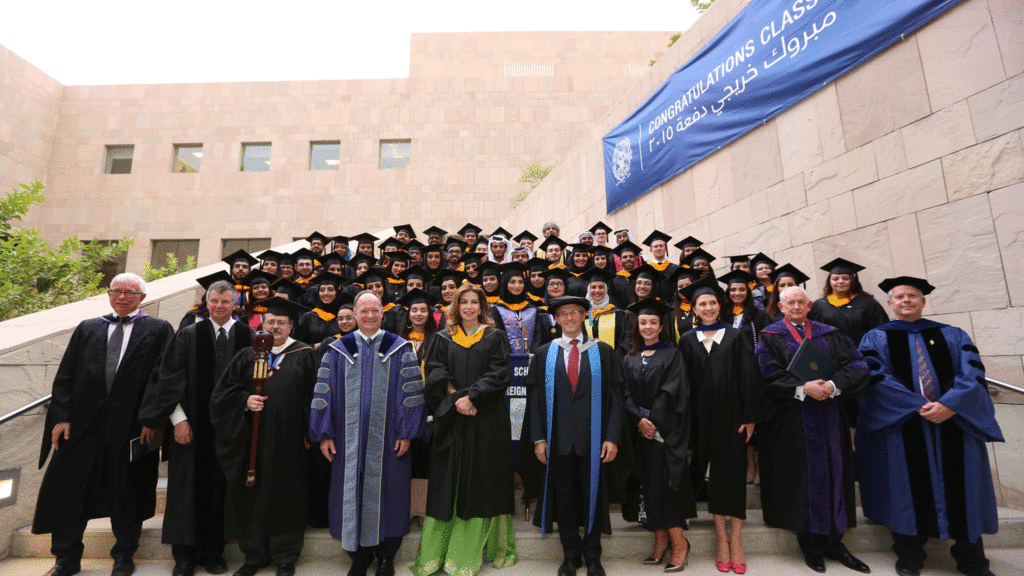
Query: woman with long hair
<point x="657" y="400"/>
<point x="258" y="282"/>
<point x="579" y="261"/>
<point x="445" y="284"/>
<point x="844" y="303"/>
<point x="726" y="393"/>
<point x="470" y="497"/>
<point x="783" y="277"/>
<point x="762" y="267"/>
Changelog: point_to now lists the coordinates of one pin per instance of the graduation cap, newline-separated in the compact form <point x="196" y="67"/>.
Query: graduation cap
<point x="415" y="272"/>
<point x="557" y="303"/>
<point x="283" y="307"/>
<point x="552" y="239"/>
<point x="488" y="268"/>
<point x="650" y="306"/>
<point x="435" y="231"/>
<point x="791" y="271"/>
<point x="599" y="250"/>
<point x="470" y="227"/>
<point x="286" y="260"/>
<point x="364" y="238"/>
<point x="687" y="242"/>
<point x="556" y="273"/>
<point x="600" y="226"/>
<point x="270" y="256"/>
<point x="454" y="242"/>
<point x="408" y="230"/>
<point x="655" y="236"/>
<point x="479" y="242"/>
<point x="682" y="272"/>
<point x="318" y="236"/>
<point x="360" y="258"/>
<point x="581" y="247"/>
<point x="759" y="258"/>
<point x="259" y="277"/>
<point x="400" y="255"/>
<point x="525" y="234"/>
<point x="738" y="258"/>
<point x="596" y="274"/>
<point x="208" y="280"/>
<point x="736" y="277"/>
<point x="388" y="244"/>
<point x="449" y="274"/>
<point x="502" y="232"/>
<point x="344" y="300"/>
<point x="413" y="245"/>
<point x="303" y="254"/>
<point x="417" y="296"/>
<point x="375" y="272"/>
<point x="919" y="283"/>
<point x="537" y="264"/>
<point x="288" y="288"/>
<point x="647" y="270"/>
<point x="340" y="240"/>
<point x="433" y="248"/>
<point x="698" y="254"/>
<point x="239" y="256"/>
<point x="842" y="266"/>
<point x="329" y="278"/>
<point x="331" y="258"/>
<point x="627" y="246"/>
<point x="706" y="285"/>
<point x="472" y="257"/>
<point x="513" y="268"/>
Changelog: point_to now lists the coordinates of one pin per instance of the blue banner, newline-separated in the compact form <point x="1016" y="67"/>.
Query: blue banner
<point x="770" y="56"/>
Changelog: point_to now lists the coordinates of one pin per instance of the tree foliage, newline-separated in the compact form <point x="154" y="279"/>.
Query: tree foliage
<point x="531" y="175"/>
<point x="702" y="5"/>
<point x="35" y="277"/>
<point x="671" y="40"/>
<point x="150" y="273"/>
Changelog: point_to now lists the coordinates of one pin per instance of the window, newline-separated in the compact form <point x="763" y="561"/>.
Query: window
<point x="119" y="159"/>
<point x="187" y="158"/>
<point x="256" y="157"/>
<point x="324" y="155"/>
<point x="395" y="154"/>
<point x="181" y="249"/>
<point x="110" y="268"/>
<point x="250" y="245"/>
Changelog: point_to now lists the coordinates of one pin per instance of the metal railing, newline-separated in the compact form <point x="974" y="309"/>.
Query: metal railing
<point x="993" y="390"/>
<point x="25" y="408"/>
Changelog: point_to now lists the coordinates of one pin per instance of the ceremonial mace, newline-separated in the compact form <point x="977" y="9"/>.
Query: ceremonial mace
<point x="262" y="342"/>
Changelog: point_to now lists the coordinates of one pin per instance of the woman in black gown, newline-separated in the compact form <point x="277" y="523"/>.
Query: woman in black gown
<point x="657" y="404"/>
<point x="319" y="323"/>
<point x="845" y="305"/>
<point x="783" y="277"/>
<point x="725" y="391"/>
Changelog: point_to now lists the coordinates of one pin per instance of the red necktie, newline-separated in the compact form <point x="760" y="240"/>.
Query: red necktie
<point x="574" y="366"/>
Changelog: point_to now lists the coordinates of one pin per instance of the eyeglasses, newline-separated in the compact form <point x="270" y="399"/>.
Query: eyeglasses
<point x="569" y="313"/>
<point x="272" y="323"/>
<point x="556" y="284"/>
<point x="127" y="293"/>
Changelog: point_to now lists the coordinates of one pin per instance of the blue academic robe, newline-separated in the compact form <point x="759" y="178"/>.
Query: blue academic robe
<point x="367" y="397"/>
<point x="920" y="478"/>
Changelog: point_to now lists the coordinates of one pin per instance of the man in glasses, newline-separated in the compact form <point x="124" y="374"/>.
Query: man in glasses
<point x="92" y="418"/>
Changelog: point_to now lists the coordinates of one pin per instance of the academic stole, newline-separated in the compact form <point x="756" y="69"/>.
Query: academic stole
<point x="551" y="363"/>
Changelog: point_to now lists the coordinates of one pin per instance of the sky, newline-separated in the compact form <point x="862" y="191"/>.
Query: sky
<point x="143" y="41"/>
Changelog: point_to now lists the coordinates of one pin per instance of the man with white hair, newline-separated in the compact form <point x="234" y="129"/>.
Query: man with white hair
<point x="807" y="475"/>
<point x="93" y="416"/>
<point x="921" y="433"/>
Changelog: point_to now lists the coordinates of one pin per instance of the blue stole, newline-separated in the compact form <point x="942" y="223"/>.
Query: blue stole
<point x="595" y="425"/>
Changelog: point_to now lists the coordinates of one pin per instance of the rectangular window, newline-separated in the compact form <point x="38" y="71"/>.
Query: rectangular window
<point x="324" y="155"/>
<point x="119" y="159"/>
<point x="181" y="249"/>
<point x="395" y="154"/>
<point x="187" y="158"/>
<point x="110" y="268"/>
<point x="256" y="157"/>
<point x="250" y="245"/>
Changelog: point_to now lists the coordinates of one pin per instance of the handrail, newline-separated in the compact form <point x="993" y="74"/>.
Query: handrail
<point x="25" y="408"/>
<point x="1003" y="385"/>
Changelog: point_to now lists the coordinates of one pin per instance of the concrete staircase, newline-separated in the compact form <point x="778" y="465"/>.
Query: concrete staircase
<point x="628" y="541"/>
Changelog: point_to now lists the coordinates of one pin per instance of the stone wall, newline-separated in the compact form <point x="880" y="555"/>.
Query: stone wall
<point x="910" y="164"/>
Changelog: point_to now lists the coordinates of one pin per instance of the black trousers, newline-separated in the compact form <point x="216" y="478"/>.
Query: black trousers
<point x="819" y="545"/>
<point x="570" y="475"/>
<point x="67" y="544"/>
<point x="198" y="553"/>
<point x="387" y="548"/>
<point x="910" y="552"/>
<point x="278" y="549"/>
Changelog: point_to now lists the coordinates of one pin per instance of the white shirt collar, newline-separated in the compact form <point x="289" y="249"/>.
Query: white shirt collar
<point x="363" y="336"/>
<point x="716" y="337"/>
<point x="132" y="315"/>
<point x="282" y="347"/>
<point x="226" y="326"/>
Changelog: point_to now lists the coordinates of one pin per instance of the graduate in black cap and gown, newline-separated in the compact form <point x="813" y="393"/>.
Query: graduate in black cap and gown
<point x="783" y="277"/>
<point x="658" y="243"/>
<point x="241" y="263"/>
<point x="200" y="312"/>
<point x="606" y="321"/>
<point x="318" y="323"/>
<point x="845" y="304"/>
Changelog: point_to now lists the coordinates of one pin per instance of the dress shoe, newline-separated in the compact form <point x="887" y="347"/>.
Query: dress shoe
<point x="902" y="570"/>
<point x="850" y="561"/>
<point x="286" y="569"/>
<point x="670" y="567"/>
<point x="216" y="565"/>
<point x="975" y="572"/>
<point x="594" y="567"/>
<point x="123" y="567"/>
<point x="184" y="569"/>
<point x="652" y="561"/>
<point x="816" y="563"/>
<point x="569" y="567"/>
<point x="358" y="569"/>
<point x="385" y="566"/>
<point x="247" y="570"/>
<point x="64" y="569"/>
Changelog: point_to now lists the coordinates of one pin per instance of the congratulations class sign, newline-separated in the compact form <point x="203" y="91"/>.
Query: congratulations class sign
<point x="770" y="56"/>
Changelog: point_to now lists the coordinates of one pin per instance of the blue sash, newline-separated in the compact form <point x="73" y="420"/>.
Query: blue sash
<point x="551" y="363"/>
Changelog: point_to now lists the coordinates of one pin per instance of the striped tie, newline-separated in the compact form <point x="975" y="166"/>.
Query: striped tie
<point x="574" y="366"/>
<point x="924" y="375"/>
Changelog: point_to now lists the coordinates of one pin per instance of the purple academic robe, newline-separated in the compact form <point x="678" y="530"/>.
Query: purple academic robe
<point x="368" y="396"/>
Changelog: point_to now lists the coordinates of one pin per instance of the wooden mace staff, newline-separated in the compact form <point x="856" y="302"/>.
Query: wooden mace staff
<point x="262" y="343"/>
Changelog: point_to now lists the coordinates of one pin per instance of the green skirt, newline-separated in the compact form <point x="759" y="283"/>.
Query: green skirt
<point x="459" y="547"/>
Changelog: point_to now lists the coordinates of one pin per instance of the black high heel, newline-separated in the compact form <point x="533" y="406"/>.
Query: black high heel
<point x="652" y="561"/>
<point x="680" y="567"/>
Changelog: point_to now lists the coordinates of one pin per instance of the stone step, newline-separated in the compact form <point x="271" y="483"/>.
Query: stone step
<point x="627" y="541"/>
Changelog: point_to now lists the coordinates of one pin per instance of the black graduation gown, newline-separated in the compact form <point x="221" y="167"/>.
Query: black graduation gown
<point x="195" y="482"/>
<point x="576" y="285"/>
<point x="667" y="289"/>
<point x="312" y="329"/>
<point x="660" y="392"/>
<point x="190" y="318"/>
<point x="90" y="476"/>
<point x="725" y="391"/>
<point x="853" y="319"/>
<point x="782" y="448"/>
<point x="621" y="291"/>
<point x="276" y="505"/>
<point x="470" y="455"/>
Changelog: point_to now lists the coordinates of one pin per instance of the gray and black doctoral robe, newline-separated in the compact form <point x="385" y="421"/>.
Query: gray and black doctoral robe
<point x="367" y="397"/>
<point x="188" y="372"/>
<point x="277" y="504"/>
<point x="76" y="484"/>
